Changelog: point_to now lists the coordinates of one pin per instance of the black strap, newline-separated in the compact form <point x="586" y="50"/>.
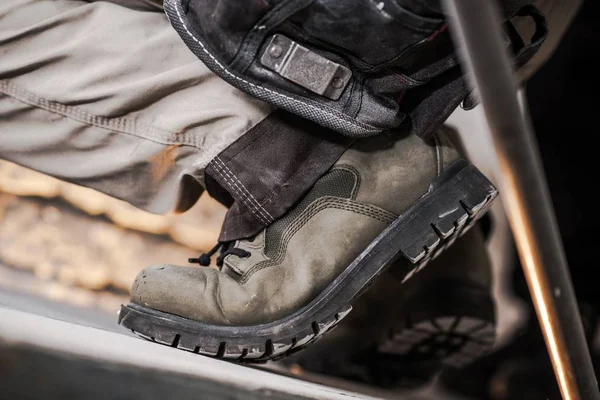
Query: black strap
<point x="525" y="52"/>
<point x="522" y="52"/>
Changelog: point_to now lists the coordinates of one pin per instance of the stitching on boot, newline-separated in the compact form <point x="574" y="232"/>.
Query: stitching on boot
<point x="358" y="179"/>
<point x="317" y="206"/>
<point x="338" y="182"/>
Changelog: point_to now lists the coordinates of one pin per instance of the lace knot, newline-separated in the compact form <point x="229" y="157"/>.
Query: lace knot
<point x="227" y="248"/>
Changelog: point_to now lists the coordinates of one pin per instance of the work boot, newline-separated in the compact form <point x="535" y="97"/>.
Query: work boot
<point x="403" y="336"/>
<point x="389" y="199"/>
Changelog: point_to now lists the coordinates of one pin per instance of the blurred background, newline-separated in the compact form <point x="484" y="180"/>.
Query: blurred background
<point x="75" y="245"/>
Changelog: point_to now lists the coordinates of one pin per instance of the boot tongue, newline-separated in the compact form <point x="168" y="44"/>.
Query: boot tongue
<point x="255" y="250"/>
<point x="230" y="270"/>
<point x="233" y="264"/>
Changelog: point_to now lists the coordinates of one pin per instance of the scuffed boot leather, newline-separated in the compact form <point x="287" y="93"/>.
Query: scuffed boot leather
<point x="386" y="197"/>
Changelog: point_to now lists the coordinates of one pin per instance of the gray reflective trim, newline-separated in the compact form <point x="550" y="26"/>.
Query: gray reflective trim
<point x="305" y="67"/>
<point x="312" y="110"/>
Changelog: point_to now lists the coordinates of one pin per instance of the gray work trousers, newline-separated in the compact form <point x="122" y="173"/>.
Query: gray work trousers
<point x="106" y="95"/>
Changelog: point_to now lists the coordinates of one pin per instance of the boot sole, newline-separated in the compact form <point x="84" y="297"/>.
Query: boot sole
<point x="456" y="199"/>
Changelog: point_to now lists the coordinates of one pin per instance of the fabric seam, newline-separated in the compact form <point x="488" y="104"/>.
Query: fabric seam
<point x="263" y="211"/>
<point x="116" y="124"/>
<point x="275" y="193"/>
<point x="221" y="172"/>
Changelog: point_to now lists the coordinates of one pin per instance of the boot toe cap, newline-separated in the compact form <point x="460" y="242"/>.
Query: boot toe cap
<point x="149" y="285"/>
<point x="197" y="293"/>
<point x="180" y="291"/>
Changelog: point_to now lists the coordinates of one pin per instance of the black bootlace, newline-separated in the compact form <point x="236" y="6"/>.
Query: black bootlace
<point x="227" y="248"/>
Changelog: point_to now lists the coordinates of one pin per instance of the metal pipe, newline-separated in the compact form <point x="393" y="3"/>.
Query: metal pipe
<point x="476" y="27"/>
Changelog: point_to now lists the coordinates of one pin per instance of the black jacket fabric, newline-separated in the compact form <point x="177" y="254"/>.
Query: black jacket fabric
<point x="355" y="67"/>
<point x="386" y="61"/>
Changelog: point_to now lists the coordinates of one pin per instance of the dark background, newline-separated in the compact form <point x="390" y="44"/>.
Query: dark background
<point x="562" y="98"/>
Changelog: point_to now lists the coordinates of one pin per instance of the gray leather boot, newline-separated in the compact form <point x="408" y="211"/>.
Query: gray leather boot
<point x="388" y="199"/>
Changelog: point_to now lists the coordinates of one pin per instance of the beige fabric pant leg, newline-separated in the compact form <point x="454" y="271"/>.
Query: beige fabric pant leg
<point x="106" y="95"/>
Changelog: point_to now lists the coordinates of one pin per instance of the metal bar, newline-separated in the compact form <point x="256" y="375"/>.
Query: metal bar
<point x="475" y="25"/>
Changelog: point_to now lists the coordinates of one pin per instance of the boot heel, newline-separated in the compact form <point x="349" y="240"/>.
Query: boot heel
<point x="456" y="200"/>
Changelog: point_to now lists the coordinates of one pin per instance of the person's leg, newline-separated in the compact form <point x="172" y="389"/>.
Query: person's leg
<point x="106" y="95"/>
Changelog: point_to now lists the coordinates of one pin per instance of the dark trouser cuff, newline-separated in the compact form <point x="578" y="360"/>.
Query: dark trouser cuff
<point x="267" y="170"/>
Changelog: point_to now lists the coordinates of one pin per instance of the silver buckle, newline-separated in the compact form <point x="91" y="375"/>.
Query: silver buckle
<point x="305" y="67"/>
